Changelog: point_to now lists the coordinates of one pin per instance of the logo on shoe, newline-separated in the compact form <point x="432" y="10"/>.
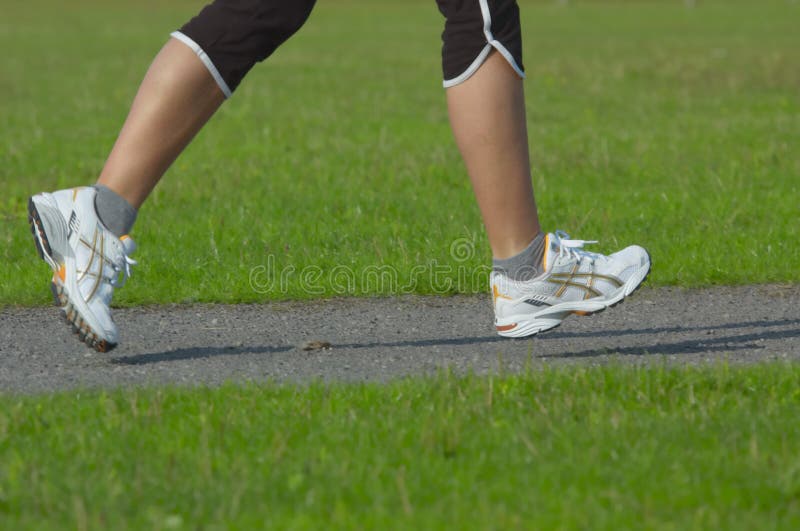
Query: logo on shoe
<point x="73" y="224"/>
<point x="534" y="302"/>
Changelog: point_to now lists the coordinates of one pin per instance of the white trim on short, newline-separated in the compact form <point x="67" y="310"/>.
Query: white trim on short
<point x="471" y="69"/>
<point x="206" y="61"/>
<point x="491" y="43"/>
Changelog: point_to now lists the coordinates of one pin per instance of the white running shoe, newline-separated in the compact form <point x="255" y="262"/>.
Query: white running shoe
<point x="88" y="261"/>
<point x="574" y="281"/>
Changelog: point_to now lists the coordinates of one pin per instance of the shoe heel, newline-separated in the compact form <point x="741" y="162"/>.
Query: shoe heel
<point x="39" y="234"/>
<point x="528" y="328"/>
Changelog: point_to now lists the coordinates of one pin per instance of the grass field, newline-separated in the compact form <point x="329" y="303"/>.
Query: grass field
<point x="332" y="172"/>
<point x="649" y="122"/>
<point x="577" y="448"/>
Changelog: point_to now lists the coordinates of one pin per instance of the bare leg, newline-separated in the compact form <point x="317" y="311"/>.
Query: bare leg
<point x="487" y="114"/>
<point x="176" y="98"/>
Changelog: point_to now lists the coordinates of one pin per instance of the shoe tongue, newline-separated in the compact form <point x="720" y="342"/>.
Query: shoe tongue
<point x="128" y="245"/>
<point x="551" y="250"/>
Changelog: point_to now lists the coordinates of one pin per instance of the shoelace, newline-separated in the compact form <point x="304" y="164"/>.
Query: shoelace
<point x="122" y="271"/>
<point x="122" y="266"/>
<point x="574" y="248"/>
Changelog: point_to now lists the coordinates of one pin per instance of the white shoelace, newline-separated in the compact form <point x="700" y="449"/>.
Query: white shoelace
<point x="122" y="271"/>
<point x="574" y="248"/>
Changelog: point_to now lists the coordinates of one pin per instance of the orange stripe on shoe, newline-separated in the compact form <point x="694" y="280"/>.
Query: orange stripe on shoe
<point x="62" y="273"/>
<point x="497" y="295"/>
<point x="506" y="328"/>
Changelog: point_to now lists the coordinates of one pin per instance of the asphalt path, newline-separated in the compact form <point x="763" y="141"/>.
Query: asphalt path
<point x="379" y="339"/>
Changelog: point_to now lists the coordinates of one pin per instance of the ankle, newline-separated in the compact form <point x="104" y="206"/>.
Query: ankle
<point x="524" y="265"/>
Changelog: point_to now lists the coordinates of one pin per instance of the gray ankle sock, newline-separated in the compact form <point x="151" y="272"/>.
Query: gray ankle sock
<point x="525" y="265"/>
<point x="114" y="211"/>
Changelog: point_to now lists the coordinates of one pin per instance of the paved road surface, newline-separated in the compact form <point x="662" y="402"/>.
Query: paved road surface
<point x="380" y="339"/>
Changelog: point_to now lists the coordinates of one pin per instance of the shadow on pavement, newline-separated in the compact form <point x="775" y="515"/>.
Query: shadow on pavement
<point x="670" y="329"/>
<point x="695" y="345"/>
<point x="688" y="346"/>
<point x="439" y="342"/>
<point x="193" y="353"/>
<point x="190" y="353"/>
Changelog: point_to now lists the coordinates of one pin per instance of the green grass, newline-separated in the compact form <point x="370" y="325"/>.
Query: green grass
<point x="615" y="447"/>
<point x="650" y="123"/>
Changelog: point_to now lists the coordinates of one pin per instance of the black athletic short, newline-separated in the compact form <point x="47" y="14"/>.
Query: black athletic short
<point x="230" y="36"/>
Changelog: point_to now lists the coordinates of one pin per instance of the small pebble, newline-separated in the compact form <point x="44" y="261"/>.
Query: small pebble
<point x="316" y="345"/>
